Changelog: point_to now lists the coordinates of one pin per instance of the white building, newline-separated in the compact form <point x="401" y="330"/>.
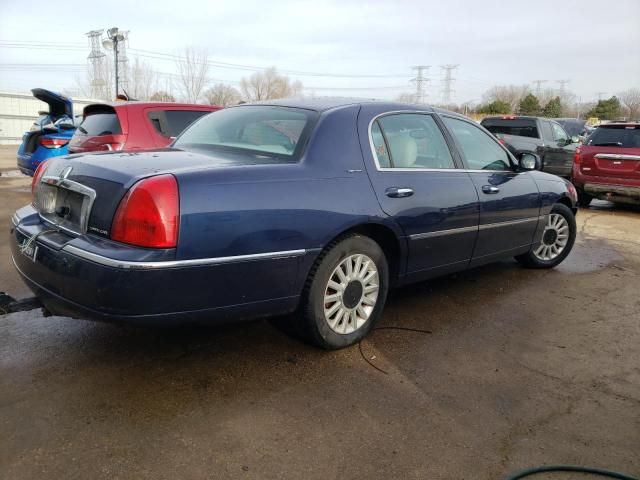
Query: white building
<point x="18" y="111"/>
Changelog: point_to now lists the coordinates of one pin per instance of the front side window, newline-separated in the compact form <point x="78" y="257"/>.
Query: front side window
<point x="410" y="140"/>
<point x="481" y="151"/>
<point x="559" y="135"/>
<point x="275" y="132"/>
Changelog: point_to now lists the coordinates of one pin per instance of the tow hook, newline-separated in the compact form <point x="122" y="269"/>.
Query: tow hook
<point x="8" y="304"/>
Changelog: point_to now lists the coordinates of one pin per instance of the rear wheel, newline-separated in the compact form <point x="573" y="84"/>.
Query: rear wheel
<point x="557" y="240"/>
<point x="344" y="294"/>
<point x="584" y="199"/>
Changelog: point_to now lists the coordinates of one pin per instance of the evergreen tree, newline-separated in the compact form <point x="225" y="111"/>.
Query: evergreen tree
<point x="529" y="105"/>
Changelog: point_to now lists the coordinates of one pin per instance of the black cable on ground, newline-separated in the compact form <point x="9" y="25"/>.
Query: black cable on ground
<point x="568" y="468"/>
<point x="404" y="329"/>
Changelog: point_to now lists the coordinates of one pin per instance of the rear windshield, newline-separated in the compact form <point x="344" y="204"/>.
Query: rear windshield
<point x="100" y="122"/>
<point x="171" y="123"/>
<point x="625" y="136"/>
<point x="519" y="126"/>
<point x="276" y="132"/>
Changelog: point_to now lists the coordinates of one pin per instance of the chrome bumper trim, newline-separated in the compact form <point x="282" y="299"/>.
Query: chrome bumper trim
<point x="129" y="265"/>
<point x="475" y="228"/>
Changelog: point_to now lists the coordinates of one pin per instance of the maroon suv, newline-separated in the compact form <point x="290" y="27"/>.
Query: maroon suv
<point x="133" y="125"/>
<point x="607" y="166"/>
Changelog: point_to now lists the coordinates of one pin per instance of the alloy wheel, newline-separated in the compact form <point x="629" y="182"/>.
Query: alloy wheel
<point x="554" y="238"/>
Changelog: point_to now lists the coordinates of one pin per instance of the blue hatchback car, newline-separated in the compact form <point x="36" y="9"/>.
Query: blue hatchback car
<point x="50" y="134"/>
<point x="309" y="209"/>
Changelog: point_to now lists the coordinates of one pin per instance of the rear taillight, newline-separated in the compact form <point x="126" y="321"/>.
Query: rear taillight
<point x="53" y="142"/>
<point x="37" y="175"/>
<point x="148" y="215"/>
<point x="576" y="156"/>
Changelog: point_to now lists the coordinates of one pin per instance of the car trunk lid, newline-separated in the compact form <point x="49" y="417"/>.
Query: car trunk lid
<point x="100" y="130"/>
<point x="59" y="105"/>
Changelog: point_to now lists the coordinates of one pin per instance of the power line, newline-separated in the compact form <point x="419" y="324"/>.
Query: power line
<point x="563" y="85"/>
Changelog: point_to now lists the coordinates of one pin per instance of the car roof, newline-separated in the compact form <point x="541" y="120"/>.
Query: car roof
<point x="158" y="104"/>
<point x="321" y="104"/>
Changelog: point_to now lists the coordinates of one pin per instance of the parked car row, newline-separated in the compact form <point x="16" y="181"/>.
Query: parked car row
<point x="102" y="127"/>
<point x="604" y="164"/>
<point x="311" y="209"/>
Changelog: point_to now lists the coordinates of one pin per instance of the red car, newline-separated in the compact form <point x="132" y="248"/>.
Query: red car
<point x="607" y="166"/>
<point x="133" y="125"/>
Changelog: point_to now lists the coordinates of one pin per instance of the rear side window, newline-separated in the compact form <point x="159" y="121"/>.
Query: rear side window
<point x="411" y="140"/>
<point x="624" y="136"/>
<point x="480" y="151"/>
<point x="100" y="123"/>
<point x="521" y="127"/>
<point x="171" y="123"/>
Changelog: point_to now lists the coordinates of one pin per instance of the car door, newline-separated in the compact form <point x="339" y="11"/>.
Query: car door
<point x="559" y="157"/>
<point x="509" y="200"/>
<point x="416" y="180"/>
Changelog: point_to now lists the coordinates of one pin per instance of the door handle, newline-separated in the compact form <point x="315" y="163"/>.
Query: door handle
<point x="490" y="189"/>
<point x="399" y="192"/>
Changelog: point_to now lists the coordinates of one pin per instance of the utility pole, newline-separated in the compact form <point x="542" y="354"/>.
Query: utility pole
<point x="115" y="37"/>
<point x="421" y="81"/>
<point x="447" y="82"/>
<point x="538" y="84"/>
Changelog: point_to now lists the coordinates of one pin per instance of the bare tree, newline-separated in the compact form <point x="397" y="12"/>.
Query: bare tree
<point x="142" y="80"/>
<point x="269" y="84"/>
<point x="162" y="96"/>
<point x="631" y="99"/>
<point x="406" y="98"/>
<point x="511" y="94"/>
<point x="221" y="94"/>
<point x="193" y="68"/>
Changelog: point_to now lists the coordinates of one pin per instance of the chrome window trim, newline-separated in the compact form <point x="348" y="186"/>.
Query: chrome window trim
<point x="389" y="169"/>
<point x="617" y="156"/>
<point x="131" y="265"/>
<point x="486" y="226"/>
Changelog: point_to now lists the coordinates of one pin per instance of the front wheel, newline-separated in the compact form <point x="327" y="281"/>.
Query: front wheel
<point x="345" y="293"/>
<point x="557" y="240"/>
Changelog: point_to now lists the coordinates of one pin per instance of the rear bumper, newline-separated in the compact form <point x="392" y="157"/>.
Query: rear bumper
<point x="88" y="285"/>
<point x="615" y="189"/>
<point x="597" y="189"/>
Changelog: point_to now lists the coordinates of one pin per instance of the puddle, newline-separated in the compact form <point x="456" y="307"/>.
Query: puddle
<point x="589" y="256"/>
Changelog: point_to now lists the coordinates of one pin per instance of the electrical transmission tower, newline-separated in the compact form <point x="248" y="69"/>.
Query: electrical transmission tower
<point x="563" y="84"/>
<point x="447" y="82"/>
<point x="421" y="81"/>
<point x="538" y="84"/>
<point x="600" y="94"/>
<point x="97" y="66"/>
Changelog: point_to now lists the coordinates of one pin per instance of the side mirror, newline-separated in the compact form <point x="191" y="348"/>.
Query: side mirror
<point x="575" y="139"/>
<point x="66" y="126"/>
<point x="529" y="161"/>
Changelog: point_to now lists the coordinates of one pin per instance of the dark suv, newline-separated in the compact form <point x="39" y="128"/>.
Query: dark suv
<point x="134" y="125"/>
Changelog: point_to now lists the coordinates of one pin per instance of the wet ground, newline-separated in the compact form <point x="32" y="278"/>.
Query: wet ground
<point x="520" y="368"/>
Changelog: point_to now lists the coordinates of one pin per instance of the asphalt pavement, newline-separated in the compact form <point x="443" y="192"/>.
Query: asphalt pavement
<point x="512" y="368"/>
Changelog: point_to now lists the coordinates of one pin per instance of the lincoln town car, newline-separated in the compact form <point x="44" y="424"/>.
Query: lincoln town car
<point x="305" y="209"/>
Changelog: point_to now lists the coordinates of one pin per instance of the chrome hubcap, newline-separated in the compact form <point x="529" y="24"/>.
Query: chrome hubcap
<point x="554" y="238"/>
<point x="351" y="294"/>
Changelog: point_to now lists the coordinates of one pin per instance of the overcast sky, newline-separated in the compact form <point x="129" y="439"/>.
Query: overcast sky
<point x="594" y="44"/>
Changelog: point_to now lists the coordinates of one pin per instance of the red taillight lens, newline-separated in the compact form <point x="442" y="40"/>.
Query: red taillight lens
<point x="37" y="175"/>
<point x="576" y="156"/>
<point x="148" y="215"/>
<point x="53" y="142"/>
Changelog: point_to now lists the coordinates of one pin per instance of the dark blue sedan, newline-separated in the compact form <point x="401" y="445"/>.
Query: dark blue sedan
<point x="313" y="208"/>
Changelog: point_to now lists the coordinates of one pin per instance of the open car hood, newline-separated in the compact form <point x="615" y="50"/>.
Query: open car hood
<point x="59" y="105"/>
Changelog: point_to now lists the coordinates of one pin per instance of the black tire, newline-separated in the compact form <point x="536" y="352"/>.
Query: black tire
<point x="584" y="199"/>
<point x="531" y="260"/>
<point x="309" y="322"/>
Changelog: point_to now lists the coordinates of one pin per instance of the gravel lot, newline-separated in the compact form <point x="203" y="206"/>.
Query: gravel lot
<point x="520" y="368"/>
